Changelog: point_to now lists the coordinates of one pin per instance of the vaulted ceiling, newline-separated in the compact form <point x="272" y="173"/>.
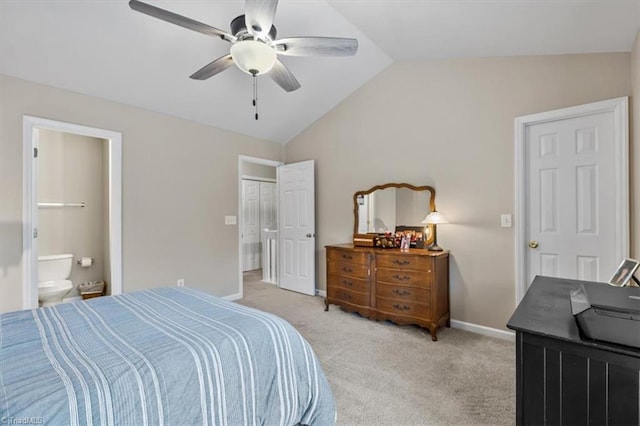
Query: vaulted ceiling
<point x="104" y="49"/>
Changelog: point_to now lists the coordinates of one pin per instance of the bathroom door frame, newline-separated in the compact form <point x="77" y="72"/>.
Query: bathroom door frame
<point x="30" y="126"/>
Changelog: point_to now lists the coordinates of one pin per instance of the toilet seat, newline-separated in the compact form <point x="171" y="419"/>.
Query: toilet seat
<point x="46" y="288"/>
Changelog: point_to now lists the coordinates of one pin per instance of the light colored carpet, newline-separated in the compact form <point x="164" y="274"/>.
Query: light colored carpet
<point x="384" y="374"/>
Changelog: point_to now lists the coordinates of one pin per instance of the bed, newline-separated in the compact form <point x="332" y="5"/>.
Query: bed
<point x="162" y="356"/>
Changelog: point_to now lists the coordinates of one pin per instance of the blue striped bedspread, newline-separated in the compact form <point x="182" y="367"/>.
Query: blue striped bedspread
<point x="172" y="356"/>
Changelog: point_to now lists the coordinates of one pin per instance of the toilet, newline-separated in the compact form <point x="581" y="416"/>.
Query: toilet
<point x="53" y="274"/>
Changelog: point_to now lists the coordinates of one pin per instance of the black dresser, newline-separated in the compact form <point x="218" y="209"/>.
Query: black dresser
<point x="562" y="379"/>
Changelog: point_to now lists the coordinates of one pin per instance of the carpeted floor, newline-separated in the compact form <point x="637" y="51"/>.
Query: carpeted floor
<point x="384" y="374"/>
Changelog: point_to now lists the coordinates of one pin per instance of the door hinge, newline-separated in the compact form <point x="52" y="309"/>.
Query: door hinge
<point x="35" y="232"/>
<point x="35" y="152"/>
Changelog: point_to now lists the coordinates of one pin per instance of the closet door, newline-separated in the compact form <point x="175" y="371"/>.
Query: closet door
<point x="268" y="206"/>
<point x="572" y="192"/>
<point x="251" y="220"/>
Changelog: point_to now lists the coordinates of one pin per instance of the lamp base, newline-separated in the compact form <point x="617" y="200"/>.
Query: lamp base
<point x="435" y="247"/>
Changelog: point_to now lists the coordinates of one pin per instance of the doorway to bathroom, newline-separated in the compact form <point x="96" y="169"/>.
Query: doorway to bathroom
<point x="71" y="203"/>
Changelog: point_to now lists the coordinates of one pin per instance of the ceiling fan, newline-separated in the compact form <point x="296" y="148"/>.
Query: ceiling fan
<point x="254" y="47"/>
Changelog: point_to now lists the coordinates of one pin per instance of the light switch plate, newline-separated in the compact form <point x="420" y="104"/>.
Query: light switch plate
<point x="230" y="220"/>
<point x="505" y="220"/>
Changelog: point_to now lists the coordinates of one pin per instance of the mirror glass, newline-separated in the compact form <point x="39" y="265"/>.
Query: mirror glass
<point x="386" y="207"/>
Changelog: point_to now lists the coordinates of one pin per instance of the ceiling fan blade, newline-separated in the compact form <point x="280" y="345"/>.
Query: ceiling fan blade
<point x="213" y="68"/>
<point x="258" y="15"/>
<point x="285" y="79"/>
<point x="179" y="20"/>
<point x="316" y="46"/>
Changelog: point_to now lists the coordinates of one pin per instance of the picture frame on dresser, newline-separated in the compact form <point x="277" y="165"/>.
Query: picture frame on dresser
<point x="624" y="273"/>
<point x="416" y="235"/>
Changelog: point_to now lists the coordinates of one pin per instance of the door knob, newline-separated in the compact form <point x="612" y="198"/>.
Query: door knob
<point x="310" y="235"/>
<point x="533" y="244"/>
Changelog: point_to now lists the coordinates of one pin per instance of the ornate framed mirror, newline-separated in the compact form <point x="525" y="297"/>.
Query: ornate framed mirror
<point x="393" y="205"/>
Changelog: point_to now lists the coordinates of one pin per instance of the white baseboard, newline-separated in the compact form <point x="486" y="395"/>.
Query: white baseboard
<point x="467" y="326"/>
<point x="233" y="297"/>
<point x="486" y="331"/>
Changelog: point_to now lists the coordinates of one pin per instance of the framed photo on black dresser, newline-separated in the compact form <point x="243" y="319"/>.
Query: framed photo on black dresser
<point x="624" y="273"/>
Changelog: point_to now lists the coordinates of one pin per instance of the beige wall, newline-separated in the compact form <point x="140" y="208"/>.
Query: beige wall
<point x="70" y="170"/>
<point x="635" y="149"/>
<point x="449" y="124"/>
<point x="445" y="123"/>
<point x="258" y="170"/>
<point x="179" y="181"/>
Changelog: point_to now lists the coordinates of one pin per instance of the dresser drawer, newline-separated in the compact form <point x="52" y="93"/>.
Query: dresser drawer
<point x="400" y="293"/>
<point x="349" y="283"/>
<point x="348" y="296"/>
<point x="404" y="277"/>
<point x="418" y="263"/>
<point x="337" y="267"/>
<point x="403" y="307"/>
<point x="348" y="256"/>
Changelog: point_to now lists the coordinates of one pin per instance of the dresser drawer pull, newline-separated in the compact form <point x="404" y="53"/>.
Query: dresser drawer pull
<point x="401" y="262"/>
<point x="401" y="278"/>
<point x="401" y="292"/>
<point x="347" y="283"/>
<point x="347" y="256"/>
<point x="401" y="307"/>
<point x="347" y="269"/>
<point x="346" y="296"/>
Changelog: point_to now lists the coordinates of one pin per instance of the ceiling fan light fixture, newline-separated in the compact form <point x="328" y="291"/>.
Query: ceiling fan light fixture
<point x="253" y="57"/>
<point x="254" y="49"/>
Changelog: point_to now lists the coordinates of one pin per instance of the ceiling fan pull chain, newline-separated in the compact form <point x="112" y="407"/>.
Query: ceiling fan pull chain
<point x="255" y="93"/>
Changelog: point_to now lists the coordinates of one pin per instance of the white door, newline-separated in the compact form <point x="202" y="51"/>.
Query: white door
<point x="251" y="221"/>
<point x="296" y="250"/>
<point x="576" y="199"/>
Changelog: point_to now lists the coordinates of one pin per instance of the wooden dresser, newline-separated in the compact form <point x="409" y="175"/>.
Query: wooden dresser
<point x="403" y="286"/>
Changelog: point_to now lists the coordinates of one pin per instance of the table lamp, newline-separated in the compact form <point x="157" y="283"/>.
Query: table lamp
<point x="434" y="218"/>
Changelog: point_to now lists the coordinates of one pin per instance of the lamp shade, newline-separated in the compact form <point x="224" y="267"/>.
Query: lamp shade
<point x="435" y="217"/>
<point x="253" y="57"/>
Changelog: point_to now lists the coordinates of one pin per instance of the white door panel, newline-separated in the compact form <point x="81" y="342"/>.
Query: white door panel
<point x="574" y="193"/>
<point x="297" y="227"/>
<point x="571" y="172"/>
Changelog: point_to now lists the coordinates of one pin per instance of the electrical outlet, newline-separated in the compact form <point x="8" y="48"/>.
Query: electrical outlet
<point x="505" y="220"/>
<point x="180" y="282"/>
